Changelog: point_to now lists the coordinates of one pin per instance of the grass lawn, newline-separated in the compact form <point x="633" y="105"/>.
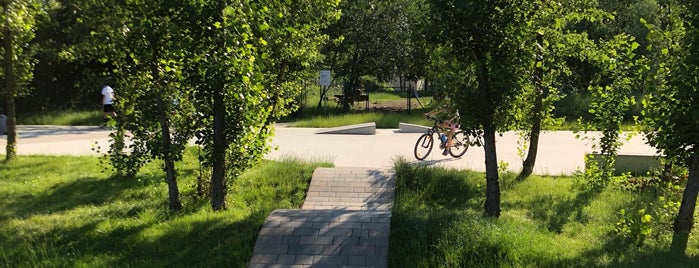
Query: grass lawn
<point x="65" y="212"/>
<point x="382" y="119"/>
<point x="63" y="118"/>
<point x="545" y="222"/>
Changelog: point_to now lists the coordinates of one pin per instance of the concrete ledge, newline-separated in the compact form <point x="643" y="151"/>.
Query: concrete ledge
<point x="634" y="164"/>
<point x="412" y="128"/>
<point x="360" y="129"/>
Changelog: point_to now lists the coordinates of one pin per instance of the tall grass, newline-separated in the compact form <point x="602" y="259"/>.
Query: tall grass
<point x="64" y="212"/>
<point x="545" y="222"/>
<point x="63" y="118"/>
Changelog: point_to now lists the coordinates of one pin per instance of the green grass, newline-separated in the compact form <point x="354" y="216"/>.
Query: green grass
<point x="438" y="221"/>
<point x="64" y="212"/>
<point x="63" y="118"/>
<point x="383" y="120"/>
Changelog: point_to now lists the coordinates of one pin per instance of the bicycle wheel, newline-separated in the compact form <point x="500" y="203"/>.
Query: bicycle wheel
<point x="423" y="146"/>
<point x="459" y="144"/>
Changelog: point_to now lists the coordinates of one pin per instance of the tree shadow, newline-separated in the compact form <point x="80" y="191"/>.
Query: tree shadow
<point x="79" y="192"/>
<point x="199" y="243"/>
<point x="554" y="212"/>
<point x="623" y="253"/>
<point x="437" y="186"/>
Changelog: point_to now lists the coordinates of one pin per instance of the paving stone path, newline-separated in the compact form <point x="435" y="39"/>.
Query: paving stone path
<point x="344" y="222"/>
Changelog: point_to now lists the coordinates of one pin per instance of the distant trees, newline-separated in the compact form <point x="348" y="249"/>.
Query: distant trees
<point x="380" y="38"/>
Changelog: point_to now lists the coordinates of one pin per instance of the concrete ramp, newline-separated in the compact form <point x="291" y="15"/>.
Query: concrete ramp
<point x="360" y="129"/>
<point x="412" y="128"/>
<point x="344" y="222"/>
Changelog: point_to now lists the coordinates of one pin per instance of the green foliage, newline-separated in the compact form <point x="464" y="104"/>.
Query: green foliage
<point x="20" y="19"/>
<point x="61" y="211"/>
<point x="479" y="48"/>
<point x="618" y="71"/>
<point x="670" y="113"/>
<point x="182" y="67"/>
<point x="650" y="214"/>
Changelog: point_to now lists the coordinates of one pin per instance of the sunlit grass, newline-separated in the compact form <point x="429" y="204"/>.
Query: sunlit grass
<point x="438" y="221"/>
<point x="383" y="120"/>
<point x="59" y="211"/>
<point x="63" y="118"/>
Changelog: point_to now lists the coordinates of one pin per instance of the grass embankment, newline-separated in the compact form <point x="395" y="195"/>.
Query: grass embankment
<point x="63" y="118"/>
<point x="64" y="212"/>
<point x="546" y="222"/>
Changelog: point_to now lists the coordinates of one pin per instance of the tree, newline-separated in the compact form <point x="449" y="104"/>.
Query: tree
<point x="479" y="42"/>
<point x="18" y="29"/>
<point x="222" y="71"/>
<point x="549" y="45"/>
<point x="242" y="55"/>
<point x="145" y="51"/>
<point x="671" y="112"/>
<point x="154" y="108"/>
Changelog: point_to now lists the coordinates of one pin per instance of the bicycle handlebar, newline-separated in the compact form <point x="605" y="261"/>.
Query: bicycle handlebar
<point x="436" y="120"/>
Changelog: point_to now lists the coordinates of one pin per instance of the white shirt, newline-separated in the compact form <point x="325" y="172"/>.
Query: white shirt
<point x="108" y="95"/>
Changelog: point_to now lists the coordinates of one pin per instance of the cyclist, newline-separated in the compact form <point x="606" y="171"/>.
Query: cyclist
<point x="448" y="121"/>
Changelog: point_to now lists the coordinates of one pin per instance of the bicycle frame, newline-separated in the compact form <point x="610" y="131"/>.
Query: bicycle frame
<point x="476" y="134"/>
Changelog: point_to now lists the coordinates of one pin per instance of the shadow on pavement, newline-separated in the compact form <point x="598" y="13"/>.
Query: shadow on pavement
<point x="34" y="131"/>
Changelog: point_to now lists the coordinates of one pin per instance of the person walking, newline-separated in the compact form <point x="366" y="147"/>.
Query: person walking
<point x="108" y="104"/>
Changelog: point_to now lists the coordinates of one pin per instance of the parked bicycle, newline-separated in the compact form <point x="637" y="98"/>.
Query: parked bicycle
<point x="461" y="140"/>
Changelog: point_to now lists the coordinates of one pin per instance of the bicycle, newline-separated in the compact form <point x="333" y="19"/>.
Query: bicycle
<point x="461" y="140"/>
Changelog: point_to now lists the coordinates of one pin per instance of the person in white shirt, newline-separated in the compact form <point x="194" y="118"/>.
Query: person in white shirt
<point x="107" y="103"/>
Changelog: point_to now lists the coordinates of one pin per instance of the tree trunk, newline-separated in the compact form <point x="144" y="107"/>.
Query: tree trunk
<point x="685" y="217"/>
<point x="492" y="191"/>
<point x="170" y="175"/>
<point x="10" y="90"/>
<point x="537" y="113"/>
<point x="492" y="195"/>
<point x="218" y="176"/>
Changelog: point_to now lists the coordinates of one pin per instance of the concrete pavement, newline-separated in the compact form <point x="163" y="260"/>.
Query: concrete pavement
<point x="560" y="152"/>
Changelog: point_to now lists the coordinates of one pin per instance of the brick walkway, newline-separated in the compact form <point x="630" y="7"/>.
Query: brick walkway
<point x="344" y="222"/>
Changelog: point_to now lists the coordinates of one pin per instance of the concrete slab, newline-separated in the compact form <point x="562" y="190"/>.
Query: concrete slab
<point x="636" y="164"/>
<point x="359" y="129"/>
<point x="412" y="128"/>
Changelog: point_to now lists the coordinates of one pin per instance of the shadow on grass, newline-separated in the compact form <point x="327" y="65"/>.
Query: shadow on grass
<point x="207" y="242"/>
<point x="627" y="254"/>
<point x="556" y="211"/>
<point x="79" y="192"/>
<point x="428" y="203"/>
<point x="213" y="242"/>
